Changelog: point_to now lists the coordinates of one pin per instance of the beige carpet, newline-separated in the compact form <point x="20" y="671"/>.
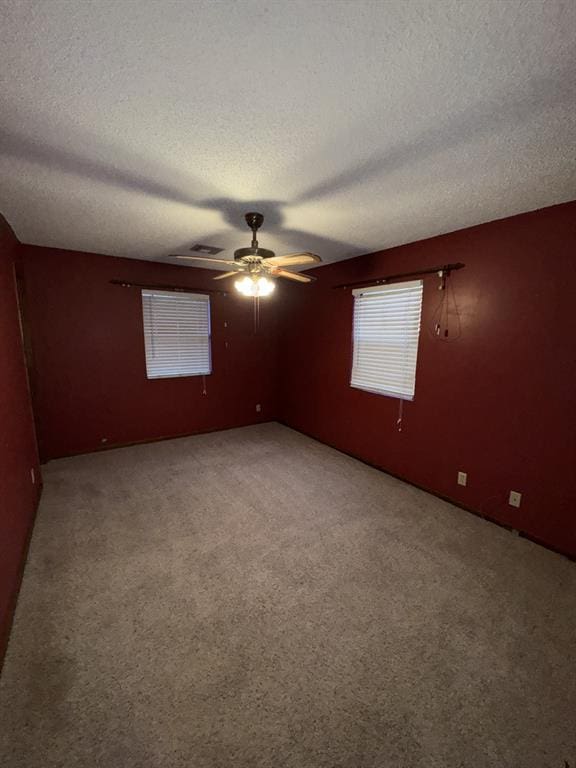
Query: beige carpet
<point x="255" y="599"/>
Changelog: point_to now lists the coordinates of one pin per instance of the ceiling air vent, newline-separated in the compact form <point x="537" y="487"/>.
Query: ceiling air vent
<point x="209" y="250"/>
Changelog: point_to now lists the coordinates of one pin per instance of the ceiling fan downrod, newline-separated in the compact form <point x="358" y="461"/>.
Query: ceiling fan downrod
<point x="254" y="221"/>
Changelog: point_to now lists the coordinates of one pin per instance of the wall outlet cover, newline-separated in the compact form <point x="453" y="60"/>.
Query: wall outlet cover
<point x="462" y="478"/>
<point x="515" y="498"/>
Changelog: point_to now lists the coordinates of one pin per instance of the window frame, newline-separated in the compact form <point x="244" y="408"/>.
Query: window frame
<point x="194" y="294"/>
<point x="382" y="288"/>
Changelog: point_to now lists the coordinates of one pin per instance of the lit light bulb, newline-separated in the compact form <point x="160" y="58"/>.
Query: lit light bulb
<point x="254" y="286"/>
<point x="244" y="286"/>
<point x="265" y="286"/>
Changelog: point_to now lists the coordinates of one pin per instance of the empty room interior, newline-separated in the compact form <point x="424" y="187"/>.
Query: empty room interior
<point x="287" y="383"/>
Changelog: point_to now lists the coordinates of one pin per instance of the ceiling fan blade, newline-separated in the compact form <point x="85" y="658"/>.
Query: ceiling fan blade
<point x="293" y="276"/>
<point x="224" y="275"/>
<point x="294" y="259"/>
<point x="186" y="257"/>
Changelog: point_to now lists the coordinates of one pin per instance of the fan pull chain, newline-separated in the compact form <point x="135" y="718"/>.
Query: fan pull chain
<point x="256" y="314"/>
<point x="400" y="415"/>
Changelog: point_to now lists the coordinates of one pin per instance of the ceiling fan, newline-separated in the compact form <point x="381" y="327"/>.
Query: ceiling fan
<point x="259" y="264"/>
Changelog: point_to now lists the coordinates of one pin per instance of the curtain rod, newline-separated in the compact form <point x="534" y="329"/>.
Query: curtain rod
<point x="175" y="288"/>
<point x="445" y="269"/>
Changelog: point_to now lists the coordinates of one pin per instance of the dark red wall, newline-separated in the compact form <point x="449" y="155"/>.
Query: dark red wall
<point x="18" y="496"/>
<point x="90" y="379"/>
<point x="499" y="403"/>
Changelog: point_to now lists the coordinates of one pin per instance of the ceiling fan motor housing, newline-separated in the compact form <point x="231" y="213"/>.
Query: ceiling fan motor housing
<point x="252" y="254"/>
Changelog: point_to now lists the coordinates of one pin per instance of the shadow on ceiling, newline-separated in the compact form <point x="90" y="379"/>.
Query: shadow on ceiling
<point x="55" y="158"/>
<point x="233" y="214"/>
<point x="15" y="145"/>
<point x="539" y="97"/>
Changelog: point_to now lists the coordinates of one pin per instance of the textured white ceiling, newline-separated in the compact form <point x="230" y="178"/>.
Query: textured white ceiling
<point x="140" y="127"/>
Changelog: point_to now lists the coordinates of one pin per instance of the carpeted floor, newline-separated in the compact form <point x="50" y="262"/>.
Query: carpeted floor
<point x="254" y="599"/>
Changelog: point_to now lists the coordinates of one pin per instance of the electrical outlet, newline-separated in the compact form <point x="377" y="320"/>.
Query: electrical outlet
<point x="462" y="478"/>
<point x="104" y="440"/>
<point x="515" y="498"/>
<point x="258" y="408"/>
<point x="33" y="475"/>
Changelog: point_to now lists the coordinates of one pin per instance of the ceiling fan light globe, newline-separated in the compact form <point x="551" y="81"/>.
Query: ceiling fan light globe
<point x="265" y="286"/>
<point x="254" y="286"/>
<point x="244" y="286"/>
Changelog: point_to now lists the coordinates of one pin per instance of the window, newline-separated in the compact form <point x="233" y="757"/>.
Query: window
<point x="176" y="333"/>
<point x="386" y="329"/>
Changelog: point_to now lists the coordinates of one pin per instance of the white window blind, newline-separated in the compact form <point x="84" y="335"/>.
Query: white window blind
<point x="386" y="330"/>
<point x="176" y="333"/>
